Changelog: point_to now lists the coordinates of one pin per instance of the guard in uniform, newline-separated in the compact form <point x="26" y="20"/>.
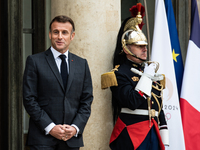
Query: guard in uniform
<point x="136" y="91"/>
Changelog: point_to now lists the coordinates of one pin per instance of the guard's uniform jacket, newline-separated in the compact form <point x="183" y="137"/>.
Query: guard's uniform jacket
<point x="134" y="127"/>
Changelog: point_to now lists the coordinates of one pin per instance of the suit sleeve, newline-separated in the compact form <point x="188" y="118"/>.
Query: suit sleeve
<point x="30" y="95"/>
<point x="85" y="101"/>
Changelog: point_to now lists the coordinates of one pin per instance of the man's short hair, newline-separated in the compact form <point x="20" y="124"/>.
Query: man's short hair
<point x="63" y="19"/>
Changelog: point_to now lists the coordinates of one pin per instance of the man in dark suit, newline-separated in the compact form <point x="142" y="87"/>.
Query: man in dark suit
<point x="57" y="92"/>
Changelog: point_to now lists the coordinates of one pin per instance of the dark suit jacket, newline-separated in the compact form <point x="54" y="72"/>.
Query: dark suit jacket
<point x="46" y="101"/>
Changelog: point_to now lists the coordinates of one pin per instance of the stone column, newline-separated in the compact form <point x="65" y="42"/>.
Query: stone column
<point x="14" y="85"/>
<point x="96" y="27"/>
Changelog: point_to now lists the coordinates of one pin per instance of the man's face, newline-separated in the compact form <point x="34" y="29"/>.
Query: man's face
<point x="138" y="50"/>
<point x="61" y="36"/>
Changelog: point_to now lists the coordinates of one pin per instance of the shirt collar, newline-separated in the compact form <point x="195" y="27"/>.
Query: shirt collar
<point x="56" y="54"/>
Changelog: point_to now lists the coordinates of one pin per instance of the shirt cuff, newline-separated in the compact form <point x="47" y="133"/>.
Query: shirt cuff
<point x="77" y="129"/>
<point x="49" y="127"/>
<point x="141" y="93"/>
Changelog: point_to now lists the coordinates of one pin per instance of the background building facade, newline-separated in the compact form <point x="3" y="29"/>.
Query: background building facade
<point x="24" y="31"/>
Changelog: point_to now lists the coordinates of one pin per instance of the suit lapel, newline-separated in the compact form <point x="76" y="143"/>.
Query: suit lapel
<point x="72" y="65"/>
<point x="51" y="61"/>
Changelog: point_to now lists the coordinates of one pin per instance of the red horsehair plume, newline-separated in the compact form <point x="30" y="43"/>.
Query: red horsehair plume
<point x="134" y="12"/>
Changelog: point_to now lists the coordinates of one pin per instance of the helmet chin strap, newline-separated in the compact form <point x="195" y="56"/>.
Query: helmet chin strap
<point x="136" y="56"/>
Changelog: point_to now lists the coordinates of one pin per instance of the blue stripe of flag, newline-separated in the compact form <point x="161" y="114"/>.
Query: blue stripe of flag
<point x="178" y="66"/>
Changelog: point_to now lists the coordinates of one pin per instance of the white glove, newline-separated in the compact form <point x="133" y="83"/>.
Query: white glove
<point x="157" y="77"/>
<point x="145" y="82"/>
<point x="166" y="147"/>
<point x="150" y="69"/>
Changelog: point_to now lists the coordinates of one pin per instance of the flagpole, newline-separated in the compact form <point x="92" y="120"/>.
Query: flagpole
<point x="147" y="24"/>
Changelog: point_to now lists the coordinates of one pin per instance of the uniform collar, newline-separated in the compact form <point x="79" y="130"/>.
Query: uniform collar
<point x="134" y="64"/>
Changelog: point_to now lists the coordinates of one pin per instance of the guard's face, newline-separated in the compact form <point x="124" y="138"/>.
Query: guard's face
<point x="138" y="50"/>
<point x="61" y="36"/>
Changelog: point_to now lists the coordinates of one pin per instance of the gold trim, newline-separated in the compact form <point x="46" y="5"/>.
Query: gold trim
<point x="157" y="96"/>
<point x="135" y="78"/>
<point x="134" y="65"/>
<point x="153" y="113"/>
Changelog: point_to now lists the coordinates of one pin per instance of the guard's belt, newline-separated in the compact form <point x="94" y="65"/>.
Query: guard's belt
<point x="139" y="112"/>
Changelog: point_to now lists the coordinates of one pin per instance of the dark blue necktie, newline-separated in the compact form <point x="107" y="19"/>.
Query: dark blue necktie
<point x="63" y="70"/>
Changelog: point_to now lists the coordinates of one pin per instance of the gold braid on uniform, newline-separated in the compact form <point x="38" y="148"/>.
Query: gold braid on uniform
<point x="158" y="87"/>
<point x="109" y="79"/>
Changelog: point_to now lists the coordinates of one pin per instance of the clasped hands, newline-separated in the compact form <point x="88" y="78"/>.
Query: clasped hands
<point x="63" y="132"/>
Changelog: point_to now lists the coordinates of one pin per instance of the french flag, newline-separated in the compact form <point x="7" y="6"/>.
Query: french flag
<point x="190" y="92"/>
